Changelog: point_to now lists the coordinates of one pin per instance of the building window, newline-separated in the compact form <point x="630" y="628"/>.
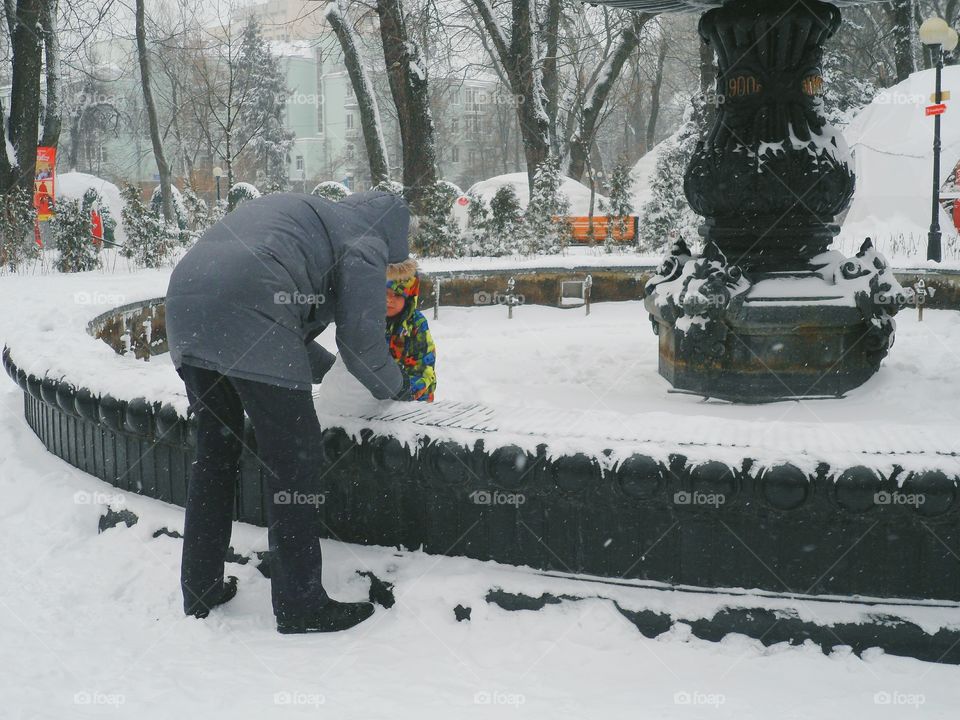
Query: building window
<point x="473" y="157"/>
<point x="455" y="97"/>
<point x="349" y="121"/>
<point x="319" y="93"/>
<point x="473" y="100"/>
<point x="454" y="125"/>
<point x="454" y="154"/>
<point x="299" y="162"/>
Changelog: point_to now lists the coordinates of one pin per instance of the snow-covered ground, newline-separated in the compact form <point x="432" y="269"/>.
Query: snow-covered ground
<point x="91" y="625"/>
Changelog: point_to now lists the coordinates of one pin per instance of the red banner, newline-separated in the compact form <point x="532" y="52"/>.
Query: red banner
<point x="96" y="226"/>
<point x="44" y="190"/>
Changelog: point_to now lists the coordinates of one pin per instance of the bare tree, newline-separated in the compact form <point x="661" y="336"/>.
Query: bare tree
<point x="363" y="90"/>
<point x="51" y="47"/>
<point x="23" y="19"/>
<point x="407" y="74"/>
<point x="582" y="140"/>
<point x="655" y="87"/>
<point x="518" y="56"/>
<point x="166" y="194"/>
<point x="899" y="14"/>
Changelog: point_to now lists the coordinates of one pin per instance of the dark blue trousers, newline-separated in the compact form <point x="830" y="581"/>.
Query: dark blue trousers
<point x="288" y="446"/>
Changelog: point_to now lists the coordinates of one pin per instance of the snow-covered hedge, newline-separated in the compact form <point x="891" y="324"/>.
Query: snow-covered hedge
<point x="331" y="190"/>
<point x="240" y="193"/>
<point x="180" y="213"/>
<point x="72" y="231"/>
<point x="16" y="230"/>
<point x="390" y="186"/>
<point x="150" y="241"/>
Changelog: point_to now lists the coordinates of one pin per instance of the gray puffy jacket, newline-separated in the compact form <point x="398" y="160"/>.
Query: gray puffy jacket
<point x="249" y="298"/>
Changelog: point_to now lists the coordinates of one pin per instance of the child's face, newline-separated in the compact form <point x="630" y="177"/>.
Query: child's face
<point x="395" y="303"/>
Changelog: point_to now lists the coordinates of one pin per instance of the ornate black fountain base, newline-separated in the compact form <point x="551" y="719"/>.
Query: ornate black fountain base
<point x="766" y="361"/>
<point x="819" y="332"/>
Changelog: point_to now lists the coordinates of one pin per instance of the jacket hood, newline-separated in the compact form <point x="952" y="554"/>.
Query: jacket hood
<point x="384" y="215"/>
<point x="409" y="290"/>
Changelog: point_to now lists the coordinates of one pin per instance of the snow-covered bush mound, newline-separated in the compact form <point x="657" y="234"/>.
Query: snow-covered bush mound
<point x="390" y="186"/>
<point x="577" y="193"/>
<point x="241" y="192"/>
<point x="179" y="207"/>
<point x="331" y="190"/>
<point x="73" y="185"/>
<point x="452" y="188"/>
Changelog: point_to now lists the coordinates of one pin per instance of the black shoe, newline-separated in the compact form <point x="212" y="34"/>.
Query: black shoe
<point x="333" y="617"/>
<point x="201" y="608"/>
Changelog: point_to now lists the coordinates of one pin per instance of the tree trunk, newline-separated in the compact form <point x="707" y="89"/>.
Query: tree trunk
<point x="52" y="120"/>
<point x="519" y="59"/>
<point x="163" y="169"/>
<point x="583" y="137"/>
<point x="900" y="16"/>
<point x="366" y="100"/>
<point x="534" y="123"/>
<point x="24" y="123"/>
<point x="407" y="75"/>
<point x="551" y="79"/>
<point x="655" y="87"/>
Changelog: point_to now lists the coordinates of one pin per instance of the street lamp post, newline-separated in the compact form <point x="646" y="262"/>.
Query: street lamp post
<point x="940" y="37"/>
<point x="217" y="174"/>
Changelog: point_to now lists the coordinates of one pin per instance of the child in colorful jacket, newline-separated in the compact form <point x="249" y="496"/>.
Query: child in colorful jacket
<point x="408" y="334"/>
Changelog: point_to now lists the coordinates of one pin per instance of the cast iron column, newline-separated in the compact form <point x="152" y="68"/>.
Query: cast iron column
<point x="771" y="175"/>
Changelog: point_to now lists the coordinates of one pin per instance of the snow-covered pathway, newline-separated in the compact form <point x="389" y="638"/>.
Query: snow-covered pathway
<point x="91" y="627"/>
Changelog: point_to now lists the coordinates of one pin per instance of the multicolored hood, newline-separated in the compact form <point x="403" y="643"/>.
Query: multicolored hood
<point x="408" y="289"/>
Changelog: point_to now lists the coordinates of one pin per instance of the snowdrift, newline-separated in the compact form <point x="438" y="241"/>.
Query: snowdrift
<point x="642" y="175"/>
<point x="892" y="144"/>
<point x="72" y="185"/>
<point x="577" y="193"/>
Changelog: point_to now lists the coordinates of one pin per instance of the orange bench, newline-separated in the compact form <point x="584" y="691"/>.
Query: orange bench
<point x="580" y="227"/>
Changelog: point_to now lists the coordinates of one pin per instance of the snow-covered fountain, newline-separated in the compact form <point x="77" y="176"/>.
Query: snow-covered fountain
<point x="768" y="311"/>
